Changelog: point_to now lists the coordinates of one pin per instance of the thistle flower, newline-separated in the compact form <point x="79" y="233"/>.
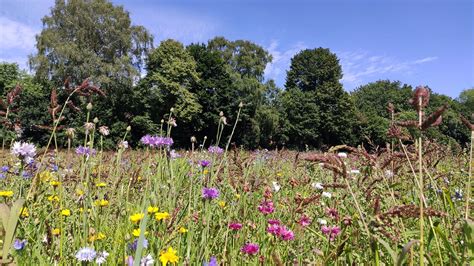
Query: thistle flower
<point x="86" y="254"/>
<point x="250" y="248"/>
<point x="266" y="207"/>
<point x="210" y="193"/>
<point x="286" y="234"/>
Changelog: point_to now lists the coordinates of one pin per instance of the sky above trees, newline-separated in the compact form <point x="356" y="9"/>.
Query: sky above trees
<point x="416" y="42"/>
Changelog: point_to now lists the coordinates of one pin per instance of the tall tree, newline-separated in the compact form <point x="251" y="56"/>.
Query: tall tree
<point x="314" y="74"/>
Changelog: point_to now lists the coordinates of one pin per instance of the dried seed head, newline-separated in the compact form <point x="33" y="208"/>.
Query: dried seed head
<point x="391" y="108"/>
<point x="241" y="104"/>
<point x="467" y="123"/>
<point x="70" y="132"/>
<point x="423" y="93"/>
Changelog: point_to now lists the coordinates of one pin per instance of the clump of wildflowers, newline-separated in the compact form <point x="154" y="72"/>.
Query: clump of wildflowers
<point x="156" y="141"/>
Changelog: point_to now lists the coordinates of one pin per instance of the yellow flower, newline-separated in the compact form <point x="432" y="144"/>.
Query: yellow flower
<point x="66" y="212"/>
<point x="168" y="256"/>
<point x="136" y="232"/>
<point x="101" y="184"/>
<point x="135" y="218"/>
<point x="55" y="231"/>
<point x="205" y="172"/>
<point x="55" y="183"/>
<point x="45" y="176"/>
<point x="79" y="192"/>
<point x="152" y="209"/>
<point x="102" y="203"/>
<point x="53" y="198"/>
<point x="161" y="215"/>
<point x="99" y="236"/>
<point x="139" y="178"/>
<point x="237" y="196"/>
<point x="221" y="203"/>
<point x="24" y="213"/>
<point x="182" y="230"/>
<point x="279" y="174"/>
<point x="6" y="193"/>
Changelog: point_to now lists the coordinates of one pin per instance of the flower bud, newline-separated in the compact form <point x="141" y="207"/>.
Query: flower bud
<point x="96" y="120"/>
<point x="205" y="137"/>
<point x="241" y="104"/>
<point x="129" y="128"/>
<point x="221" y="113"/>
<point x="193" y="139"/>
<point x="172" y="110"/>
<point x="89" y="106"/>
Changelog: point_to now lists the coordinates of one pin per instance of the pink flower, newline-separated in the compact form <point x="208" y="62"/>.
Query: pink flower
<point x="286" y="234"/>
<point x="273" y="229"/>
<point x="250" y="248"/>
<point x="325" y="230"/>
<point x="266" y="207"/>
<point x="304" y="220"/>
<point x="235" y="226"/>
<point x="331" y="231"/>
<point x="331" y="212"/>
<point x="273" y="221"/>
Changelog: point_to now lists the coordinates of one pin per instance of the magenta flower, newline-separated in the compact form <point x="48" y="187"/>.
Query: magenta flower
<point x="286" y="234"/>
<point x="235" y="226"/>
<point x="331" y="231"/>
<point x="273" y="221"/>
<point x="325" y="230"/>
<point x="273" y="229"/>
<point x="204" y="163"/>
<point x="250" y="248"/>
<point x="266" y="207"/>
<point x="210" y="193"/>
<point x="304" y="220"/>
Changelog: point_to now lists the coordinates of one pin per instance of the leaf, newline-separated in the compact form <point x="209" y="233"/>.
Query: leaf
<point x="10" y="229"/>
<point x="468" y="231"/>
<point x="392" y="253"/>
<point x="4" y="215"/>
<point x="405" y="250"/>
<point x="448" y="245"/>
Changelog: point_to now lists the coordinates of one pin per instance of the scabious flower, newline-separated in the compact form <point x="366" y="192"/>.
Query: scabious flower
<point x="304" y="220"/>
<point x="169" y="256"/>
<point x="19" y="244"/>
<point x="458" y="195"/>
<point x="174" y="154"/>
<point x="266" y="207"/>
<point x="89" y="126"/>
<point x="250" y="248"/>
<point x="210" y="193"/>
<point x="215" y="150"/>
<point x="86" y="254"/>
<point x="23" y="150"/>
<point x="101" y="257"/>
<point x="81" y="150"/>
<point x="104" y="131"/>
<point x="5" y="168"/>
<point x="147" y="260"/>
<point x="235" y="226"/>
<point x="123" y="145"/>
<point x="156" y="141"/>
<point x="212" y="262"/>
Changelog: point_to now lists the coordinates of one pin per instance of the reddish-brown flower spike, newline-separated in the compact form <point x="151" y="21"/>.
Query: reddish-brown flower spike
<point x="391" y="108"/>
<point x="410" y="123"/>
<point x="13" y="94"/>
<point x="467" y="123"/>
<point x="434" y="119"/>
<point x="423" y="93"/>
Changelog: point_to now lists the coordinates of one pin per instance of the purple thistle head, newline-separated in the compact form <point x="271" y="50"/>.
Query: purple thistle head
<point x="235" y="226"/>
<point x="210" y="193"/>
<point x="215" y="150"/>
<point x="23" y="150"/>
<point x="146" y="140"/>
<point x="273" y="229"/>
<point x="286" y="234"/>
<point x="250" y="248"/>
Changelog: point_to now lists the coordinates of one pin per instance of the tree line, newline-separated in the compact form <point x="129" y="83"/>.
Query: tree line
<point x="136" y="84"/>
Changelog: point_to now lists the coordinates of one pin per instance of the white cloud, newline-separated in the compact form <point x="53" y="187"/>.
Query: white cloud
<point x="359" y="66"/>
<point x="281" y="60"/>
<point x="16" y="35"/>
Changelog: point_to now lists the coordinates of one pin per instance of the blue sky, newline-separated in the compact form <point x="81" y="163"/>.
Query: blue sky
<point x="418" y="42"/>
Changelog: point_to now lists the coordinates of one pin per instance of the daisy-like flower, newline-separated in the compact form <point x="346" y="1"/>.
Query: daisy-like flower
<point x="276" y="186"/>
<point x="86" y="254"/>
<point x="6" y="193"/>
<point x="169" y="256"/>
<point x="135" y="218"/>
<point x="161" y="216"/>
<point x="152" y="209"/>
<point x="136" y="232"/>
<point x="210" y="193"/>
<point x="250" y="249"/>
<point x="66" y="212"/>
<point x="102" y="203"/>
<point x="183" y="230"/>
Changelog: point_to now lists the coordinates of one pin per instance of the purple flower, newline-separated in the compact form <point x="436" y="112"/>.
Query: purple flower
<point x="81" y="150"/>
<point x="273" y="229"/>
<point x="215" y="150"/>
<point x="304" y="220"/>
<point x="156" y="141"/>
<point x="24" y="151"/>
<point x="332" y="212"/>
<point x="250" y="248"/>
<point x="19" y="244"/>
<point x="273" y="221"/>
<point x="325" y="230"/>
<point x="2" y="176"/>
<point x="147" y="140"/>
<point x="212" y="262"/>
<point x="266" y="207"/>
<point x="5" y="168"/>
<point x="204" y="163"/>
<point x="210" y="193"/>
<point x="133" y="246"/>
<point x="86" y="254"/>
<point x="286" y="234"/>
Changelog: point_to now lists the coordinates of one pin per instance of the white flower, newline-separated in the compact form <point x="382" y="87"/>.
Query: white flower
<point x="388" y="173"/>
<point x="276" y="186"/>
<point x="326" y="194"/>
<point x="342" y="155"/>
<point x="104" y="130"/>
<point x="24" y="151"/>
<point x="317" y="186"/>
<point x="148" y="260"/>
<point x="355" y="171"/>
<point x="101" y="257"/>
<point x="322" y="221"/>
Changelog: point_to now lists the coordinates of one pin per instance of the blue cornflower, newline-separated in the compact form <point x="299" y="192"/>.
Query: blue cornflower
<point x="19" y="244"/>
<point x="5" y="168"/>
<point x="86" y="254"/>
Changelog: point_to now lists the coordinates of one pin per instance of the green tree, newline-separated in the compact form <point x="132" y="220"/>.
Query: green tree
<point x="314" y="77"/>
<point x="466" y="99"/>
